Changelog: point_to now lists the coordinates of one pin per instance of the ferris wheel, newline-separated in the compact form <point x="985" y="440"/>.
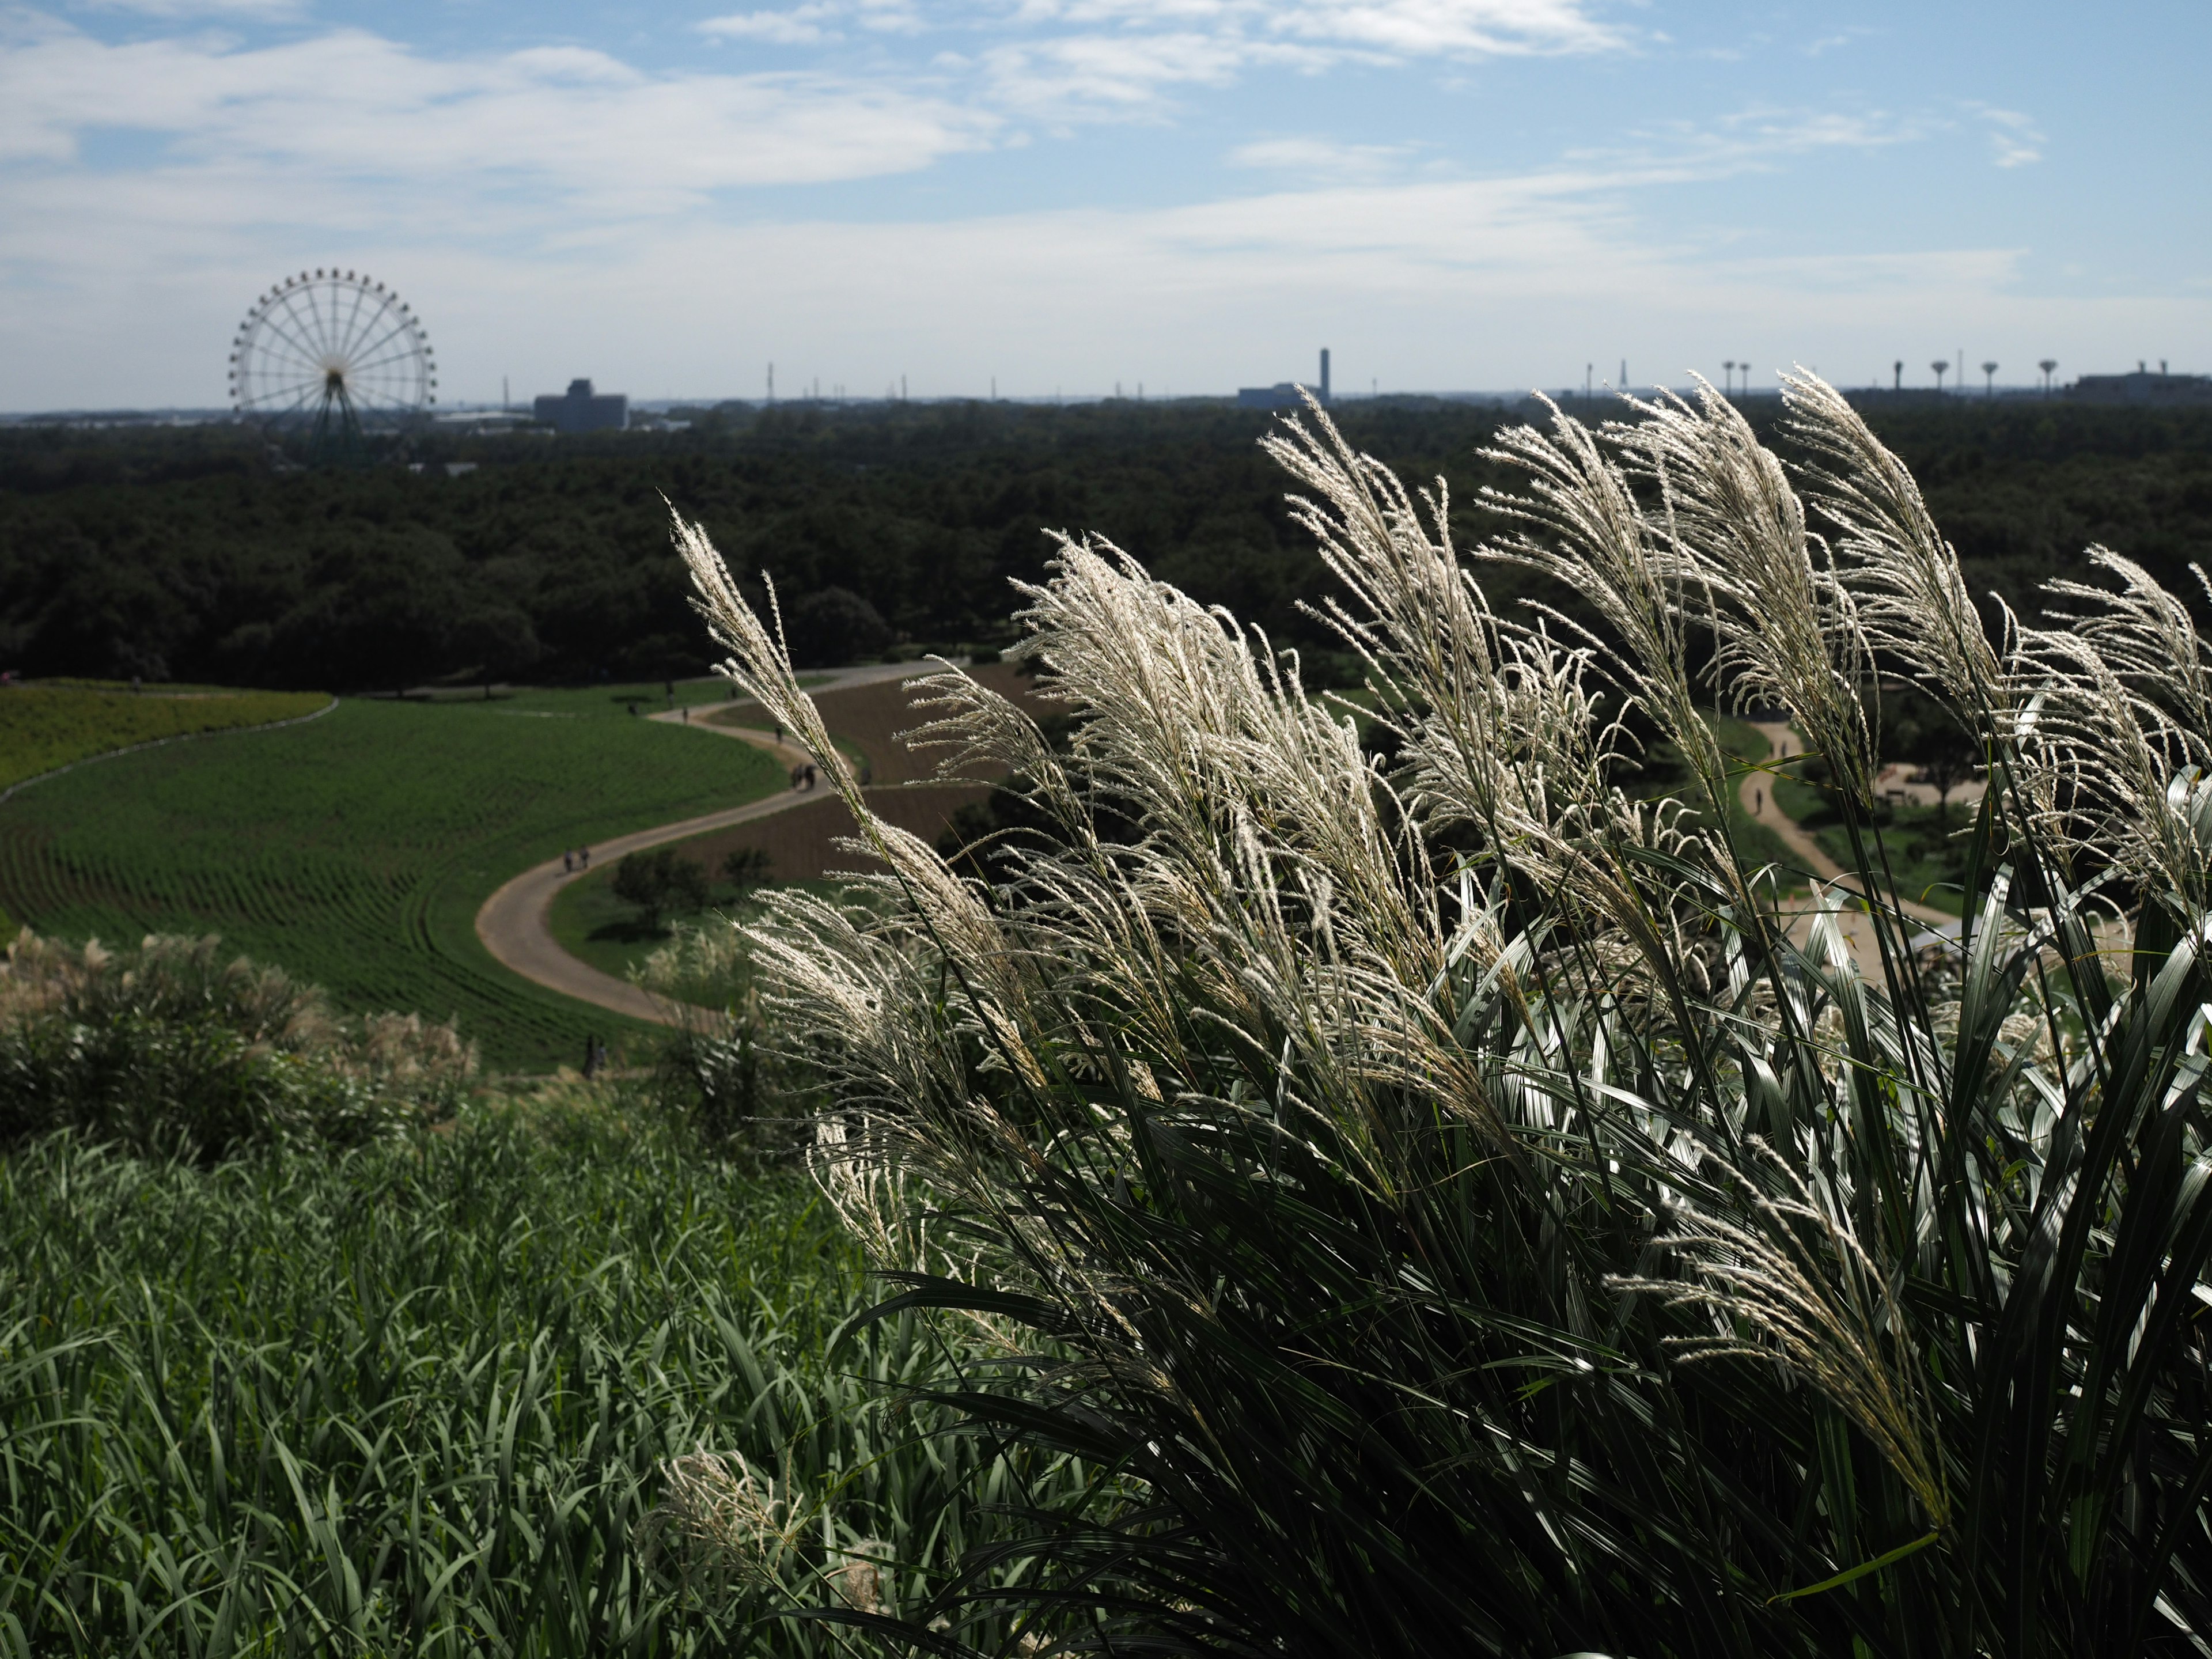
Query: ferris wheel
<point x="332" y="350"/>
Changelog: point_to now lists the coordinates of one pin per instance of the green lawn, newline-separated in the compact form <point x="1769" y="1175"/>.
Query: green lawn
<point x="43" y="725"/>
<point x="612" y="934"/>
<point x="355" y="850"/>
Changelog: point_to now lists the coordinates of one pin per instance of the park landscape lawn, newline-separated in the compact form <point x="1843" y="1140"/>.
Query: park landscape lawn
<point x="45" y="725"/>
<point x="356" y="849"/>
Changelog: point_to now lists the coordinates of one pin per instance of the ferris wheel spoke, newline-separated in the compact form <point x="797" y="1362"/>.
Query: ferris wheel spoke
<point x="345" y="336"/>
<point x="400" y="327"/>
<point x="322" y="324"/>
<point x="278" y="333"/>
<point x="273" y="393"/>
<point x="298" y="403"/>
<point x="289" y="332"/>
<point x="369" y="313"/>
<point x="405" y="355"/>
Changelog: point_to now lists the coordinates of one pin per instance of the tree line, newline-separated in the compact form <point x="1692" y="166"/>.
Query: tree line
<point x="184" y="554"/>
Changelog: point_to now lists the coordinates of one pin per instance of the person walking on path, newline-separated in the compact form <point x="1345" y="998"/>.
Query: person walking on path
<point x="568" y="861"/>
<point x="583" y="858"/>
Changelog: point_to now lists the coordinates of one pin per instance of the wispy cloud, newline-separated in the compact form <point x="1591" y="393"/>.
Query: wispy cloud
<point x="799" y="27"/>
<point x="1322" y="159"/>
<point x="2015" y="139"/>
<point x="349" y="110"/>
<point x="229" y="10"/>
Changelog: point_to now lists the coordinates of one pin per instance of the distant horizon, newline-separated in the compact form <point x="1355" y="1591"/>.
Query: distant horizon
<point x="1082" y="192"/>
<point x="213" y="414"/>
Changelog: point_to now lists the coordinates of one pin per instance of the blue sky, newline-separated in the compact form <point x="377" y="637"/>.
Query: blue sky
<point x="1064" y="195"/>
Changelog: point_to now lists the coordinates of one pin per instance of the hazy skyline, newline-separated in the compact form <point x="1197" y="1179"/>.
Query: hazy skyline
<point x="1064" y="194"/>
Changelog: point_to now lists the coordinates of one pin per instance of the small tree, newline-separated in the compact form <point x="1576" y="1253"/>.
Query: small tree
<point x="746" y="868"/>
<point x="660" y="882"/>
<point x="1947" y="763"/>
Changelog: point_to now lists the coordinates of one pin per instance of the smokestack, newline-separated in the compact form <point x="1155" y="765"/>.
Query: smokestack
<point x="1324" y="374"/>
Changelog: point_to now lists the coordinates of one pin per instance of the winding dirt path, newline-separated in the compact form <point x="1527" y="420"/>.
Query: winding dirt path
<point x="1757" y="793"/>
<point x="515" y="923"/>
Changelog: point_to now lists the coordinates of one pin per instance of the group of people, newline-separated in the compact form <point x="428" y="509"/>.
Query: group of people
<point x="802" y="777"/>
<point x="575" y="858"/>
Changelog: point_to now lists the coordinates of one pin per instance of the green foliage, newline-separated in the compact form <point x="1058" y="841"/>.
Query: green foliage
<point x="661" y="882"/>
<point x="180" y="554"/>
<point x="45" y="726"/>
<point x="425" y="1398"/>
<point x="1465" y="1207"/>
<point x="357" y="849"/>
<point x="176" y="1049"/>
<point x="746" y="867"/>
<point x="718" y="1069"/>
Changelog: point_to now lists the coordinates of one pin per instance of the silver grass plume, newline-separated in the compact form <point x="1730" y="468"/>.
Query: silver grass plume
<point x="1787" y="1278"/>
<point x="1912" y="601"/>
<point x="1786" y="629"/>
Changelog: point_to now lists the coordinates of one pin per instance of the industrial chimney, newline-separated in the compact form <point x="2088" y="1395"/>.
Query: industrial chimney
<point x="1324" y="374"/>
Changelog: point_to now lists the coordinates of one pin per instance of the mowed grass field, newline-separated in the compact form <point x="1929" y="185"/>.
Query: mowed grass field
<point x="356" y="849"/>
<point x="43" y="727"/>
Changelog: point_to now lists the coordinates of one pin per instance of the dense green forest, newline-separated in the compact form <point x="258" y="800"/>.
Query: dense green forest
<point x="182" y="553"/>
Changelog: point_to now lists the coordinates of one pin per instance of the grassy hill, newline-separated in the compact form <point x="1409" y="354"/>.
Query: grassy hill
<point x="357" y="849"/>
<point x="43" y="727"/>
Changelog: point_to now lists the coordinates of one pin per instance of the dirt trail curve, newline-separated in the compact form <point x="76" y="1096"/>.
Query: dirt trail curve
<point x="514" y="922"/>
<point x="1757" y="792"/>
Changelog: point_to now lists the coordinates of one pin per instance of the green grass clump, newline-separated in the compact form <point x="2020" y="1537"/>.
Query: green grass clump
<point x="43" y="727"/>
<point x="415" y="1398"/>
<point x="357" y="849"/>
<point x="179" y="1046"/>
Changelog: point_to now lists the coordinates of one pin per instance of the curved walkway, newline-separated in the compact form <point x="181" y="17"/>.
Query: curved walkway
<point x="1757" y="794"/>
<point x="515" y="922"/>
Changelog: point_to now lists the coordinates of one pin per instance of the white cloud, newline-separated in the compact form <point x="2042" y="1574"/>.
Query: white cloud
<point x="1098" y="75"/>
<point x="2015" y="139"/>
<point x="1397" y="28"/>
<point x="1322" y="159"/>
<point x="1124" y="56"/>
<point x="799" y="27"/>
<point x="351" y="113"/>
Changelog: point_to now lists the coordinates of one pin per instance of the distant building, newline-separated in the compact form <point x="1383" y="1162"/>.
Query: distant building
<point x="583" y="409"/>
<point x="2142" y="387"/>
<point x="1283" y="394"/>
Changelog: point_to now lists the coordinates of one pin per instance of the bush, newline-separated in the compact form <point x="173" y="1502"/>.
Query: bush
<point x="660" y="882"/>
<point x="170" y="1049"/>
<point x="835" y="625"/>
<point x="1465" y="1209"/>
<point x="716" y="1069"/>
<point x="746" y="868"/>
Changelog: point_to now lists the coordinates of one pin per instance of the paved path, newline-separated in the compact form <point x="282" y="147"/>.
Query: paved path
<point x="515" y="922"/>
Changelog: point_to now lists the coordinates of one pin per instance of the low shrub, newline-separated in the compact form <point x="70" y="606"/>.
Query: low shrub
<point x="172" y="1048"/>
